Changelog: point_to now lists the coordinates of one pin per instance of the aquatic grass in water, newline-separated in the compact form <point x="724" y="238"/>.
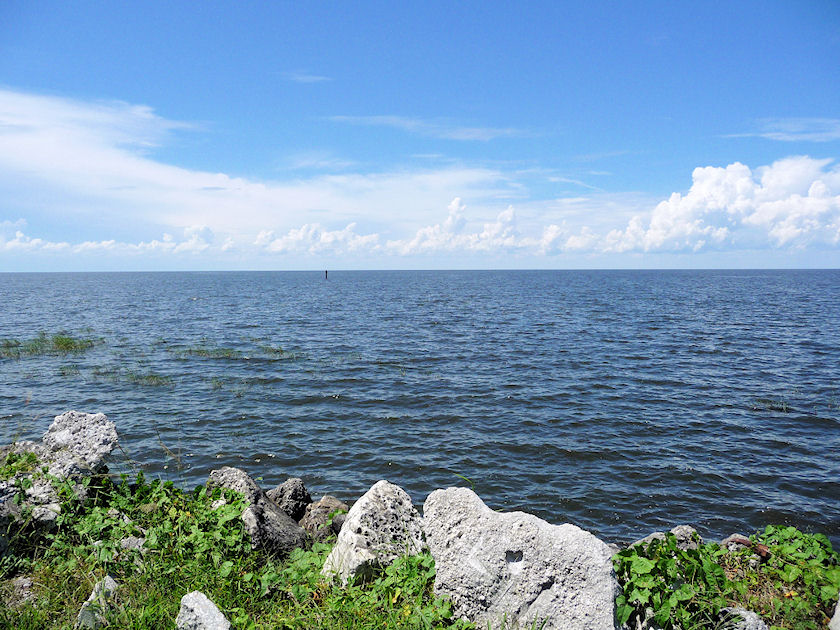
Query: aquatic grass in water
<point x="44" y="344"/>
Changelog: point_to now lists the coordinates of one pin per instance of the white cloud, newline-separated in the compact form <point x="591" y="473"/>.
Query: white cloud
<point x="314" y="239"/>
<point x="435" y="129"/>
<point x="84" y="162"/>
<point x="90" y="160"/>
<point x="796" y="130"/>
<point x="306" y="77"/>
<point x="792" y="202"/>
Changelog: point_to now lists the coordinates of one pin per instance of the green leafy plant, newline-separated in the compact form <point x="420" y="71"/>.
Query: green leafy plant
<point x="16" y="463"/>
<point x="795" y="587"/>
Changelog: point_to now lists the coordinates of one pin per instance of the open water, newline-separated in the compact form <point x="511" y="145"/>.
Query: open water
<point x="621" y="401"/>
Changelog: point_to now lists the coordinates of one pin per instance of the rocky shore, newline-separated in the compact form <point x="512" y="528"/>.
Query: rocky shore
<point x="499" y="570"/>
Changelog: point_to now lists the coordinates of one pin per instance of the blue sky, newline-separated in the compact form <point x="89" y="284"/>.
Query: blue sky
<point x="433" y="135"/>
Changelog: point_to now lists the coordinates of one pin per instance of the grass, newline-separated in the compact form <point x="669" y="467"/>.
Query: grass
<point x="44" y="344"/>
<point x="190" y="546"/>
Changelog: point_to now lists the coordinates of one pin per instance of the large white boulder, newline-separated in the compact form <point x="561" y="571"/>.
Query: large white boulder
<point x="380" y="527"/>
<point x="514" y="570"/>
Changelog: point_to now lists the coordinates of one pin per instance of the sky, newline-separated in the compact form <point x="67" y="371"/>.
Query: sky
<point x="429" y="135"/>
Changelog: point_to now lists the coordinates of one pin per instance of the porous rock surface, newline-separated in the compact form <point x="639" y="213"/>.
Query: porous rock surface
<point x="834" y="624"/>
<point x="268" y="527"/>
<point x="509" y="570"/>
<point x="292" y="497"/>
<point x="75" y="446"/>
<point x="317" y="515"/>
<point x="199" y="613"/>
<point x="92" y="613"/>
<point x="741" y="619"/>
<point x="687" y="537"/>
<point x="380" y="527"/>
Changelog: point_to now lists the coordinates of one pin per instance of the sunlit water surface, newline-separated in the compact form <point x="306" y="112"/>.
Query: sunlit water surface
<point x="623" y="401"/>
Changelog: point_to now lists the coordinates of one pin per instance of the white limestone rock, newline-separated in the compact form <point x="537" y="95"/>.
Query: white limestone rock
<point x="514" y="570"/>
<point x="380" y="527"/>
<point x="79" y="443"/>
<point x="199" y="613"/>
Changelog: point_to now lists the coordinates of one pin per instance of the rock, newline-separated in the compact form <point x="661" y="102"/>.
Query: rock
<point x="79" y="443"/>
<point x="834" y="624"/>
<point x="21" y="591"/>
<point x="92" y="613"/>
<point x="649" y="538"/>
<point x="380" y="527"/>
<point x="740" y="619"/>
<point x="269" y="527"/>
<point x="735" y="542"/>
<point x="292" y="497"/>
<point x="237" y="480"/>
<point x="516" y="570"/>
<point x="199" y="613"/>
<point x="685" y="535"/>
<point x="317" y="515"/>
<point x="75" y="446"/>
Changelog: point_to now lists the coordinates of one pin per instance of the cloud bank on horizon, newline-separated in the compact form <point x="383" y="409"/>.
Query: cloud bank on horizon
<point x="82" y="179"/>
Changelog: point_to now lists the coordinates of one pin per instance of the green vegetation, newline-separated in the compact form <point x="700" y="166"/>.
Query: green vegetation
<point x="795" y="587"/>
<point x="208" y="352"/>
<point x="151" y="379"/>
<point x="183" y="543"/>
<point x="15" y="463"/>
<point x="190" y="546"/>
<point x="44" y="344"/>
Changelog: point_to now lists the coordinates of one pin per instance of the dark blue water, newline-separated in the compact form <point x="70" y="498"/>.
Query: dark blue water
<point x="623" y="401"/>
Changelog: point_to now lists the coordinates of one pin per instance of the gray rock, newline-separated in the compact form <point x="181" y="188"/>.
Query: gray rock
<point x="516" y="570"/>
<point x="21" y="591"/>
<point x="734" y="542"/>
<point x="268" y="527"/>
<point x="292" y="497"/>
<point x="317" y="515"/>
<point x="237" y="480"/>
<point x="740" y="619"/>
<point x="649" y="538"/>
<point x="92" y="613"/>
<point x="834" y="624"/>
<point x="380" y="527"/>
<point x="685" y="535"/>
<point x="199" y="613"/>
<point x="75" y="446"/>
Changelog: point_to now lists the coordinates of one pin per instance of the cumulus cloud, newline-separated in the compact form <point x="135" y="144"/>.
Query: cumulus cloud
<point x="792" y="202"/>
<point x="315" y="239"/>
<point x="449" y="236"/>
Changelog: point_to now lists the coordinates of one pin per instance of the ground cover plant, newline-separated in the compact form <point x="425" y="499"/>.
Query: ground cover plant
<point x="189" y="546"/>
<point x="794" y="586"/>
